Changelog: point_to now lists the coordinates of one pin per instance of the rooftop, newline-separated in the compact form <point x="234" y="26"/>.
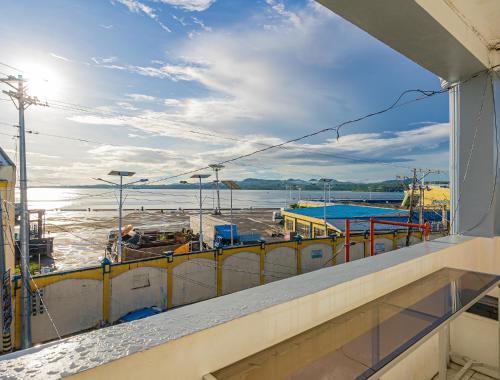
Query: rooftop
<point x="343" y="211"/>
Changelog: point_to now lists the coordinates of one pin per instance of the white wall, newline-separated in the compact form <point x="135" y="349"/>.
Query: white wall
<point x="387" y="244"/>
<point x="136" y="289"/>
<point x="240" y="271"/>
<point x="316" y="256"/>
<point x="475" y="337"/>
<point x="421" y="364"/>
<point x="74" y="305"/>
<point x="194" y="280"/>
<point x="280" y="263"/>
<point x="475" y="141"/>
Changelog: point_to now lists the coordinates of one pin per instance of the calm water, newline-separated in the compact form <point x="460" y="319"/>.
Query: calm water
<point x="55" y="198"/>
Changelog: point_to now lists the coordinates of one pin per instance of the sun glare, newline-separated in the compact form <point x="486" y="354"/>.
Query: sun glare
<point x="41" y="81"/>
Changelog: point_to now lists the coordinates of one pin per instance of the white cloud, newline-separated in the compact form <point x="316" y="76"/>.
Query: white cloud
<point x="202" y="25"/>
<point x="106" y="26"/>
<point x="136" y="6"/>
<point x="100" y="61"/>
<point x="189" y="5"/>
<point x="141" y="97"/>
<point x="60" y="57"/>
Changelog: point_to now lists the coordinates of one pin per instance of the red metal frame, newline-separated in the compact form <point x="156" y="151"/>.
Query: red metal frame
<point x="347" y="242"/>
<point x="426" y="227"/>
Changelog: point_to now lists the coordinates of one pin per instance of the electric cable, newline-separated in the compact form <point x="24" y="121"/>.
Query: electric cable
<point x="495" y="129"/>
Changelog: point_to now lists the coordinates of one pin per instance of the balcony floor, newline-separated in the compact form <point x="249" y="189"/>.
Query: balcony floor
<point x="454" y="368"/>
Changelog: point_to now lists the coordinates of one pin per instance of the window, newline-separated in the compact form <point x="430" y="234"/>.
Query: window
<point x="319" y="232"/>
<point x="303" y="230"/>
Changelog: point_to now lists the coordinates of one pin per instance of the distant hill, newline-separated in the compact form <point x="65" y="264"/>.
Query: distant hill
<point x="276" y="184"/>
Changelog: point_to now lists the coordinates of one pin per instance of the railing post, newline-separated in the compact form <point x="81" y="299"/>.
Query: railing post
<point x="372" y="237"/>
<point x="334" y="251"/>
<point x="262" y="256"/>
<point x="106" y="286"/>
<point x="298" y="256"/>
<point x="170" y="285"/>
<point x="219" y="271"/>
<point x="427" y="229"/>
<point x="347" y="240"/>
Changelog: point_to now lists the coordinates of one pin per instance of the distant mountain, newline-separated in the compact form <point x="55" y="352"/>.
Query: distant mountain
<point x="276" y="184"/>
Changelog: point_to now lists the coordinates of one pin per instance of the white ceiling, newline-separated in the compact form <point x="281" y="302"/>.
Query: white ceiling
<point x="482" y="16"/>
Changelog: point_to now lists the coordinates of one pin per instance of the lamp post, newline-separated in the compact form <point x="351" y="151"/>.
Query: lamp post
<point x="120" y="186"/>
<point x="232" y="186"/>
<point x="324" y="181"/>
<point x="200" y="177"/>
<point x="216" y="168"/>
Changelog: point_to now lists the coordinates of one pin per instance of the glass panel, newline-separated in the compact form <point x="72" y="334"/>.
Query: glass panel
<point x="357" y="344"/>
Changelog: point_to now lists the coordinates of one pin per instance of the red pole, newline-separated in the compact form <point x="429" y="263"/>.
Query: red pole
<point x="427" y="230"/>
<point x="347" y="240"/>
<point x="372" y="237"/>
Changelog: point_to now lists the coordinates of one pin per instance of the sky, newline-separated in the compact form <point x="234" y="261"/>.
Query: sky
<point x="161" y="87"/>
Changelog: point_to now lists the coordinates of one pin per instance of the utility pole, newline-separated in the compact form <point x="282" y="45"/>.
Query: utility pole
<point x="410" y="214"/>
<point x="200" y="177"/>
<point x="217" y="168"/>
<point x="22" y="101"/>
<point x="232" y="186"/>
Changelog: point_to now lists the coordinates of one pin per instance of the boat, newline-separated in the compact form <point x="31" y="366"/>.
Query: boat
<point x="138" y="243"/>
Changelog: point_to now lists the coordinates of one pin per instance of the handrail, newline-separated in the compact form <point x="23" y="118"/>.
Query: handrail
<point x="425" y="226"/>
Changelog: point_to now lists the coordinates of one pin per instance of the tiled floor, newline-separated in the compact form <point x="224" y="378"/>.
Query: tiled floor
<point x="470" y="375"/>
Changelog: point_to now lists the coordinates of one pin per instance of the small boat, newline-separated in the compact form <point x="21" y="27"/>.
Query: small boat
<point x="140" y="243"/>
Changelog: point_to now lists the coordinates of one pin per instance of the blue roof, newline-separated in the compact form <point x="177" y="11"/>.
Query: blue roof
<point x="140" y="314"/>
<point x="343" y="211"/>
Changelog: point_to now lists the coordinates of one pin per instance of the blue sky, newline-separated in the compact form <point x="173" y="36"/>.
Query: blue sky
<point x="150" y="72"/>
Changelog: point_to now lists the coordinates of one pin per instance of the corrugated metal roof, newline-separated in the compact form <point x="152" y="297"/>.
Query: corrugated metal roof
<point x="343" y="211"/>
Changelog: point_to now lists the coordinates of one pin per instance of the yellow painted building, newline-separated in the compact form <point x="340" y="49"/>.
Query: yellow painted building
<point x="7" y="217"/>
<point x="7" y="195"/>
<point x="433" y="197"/>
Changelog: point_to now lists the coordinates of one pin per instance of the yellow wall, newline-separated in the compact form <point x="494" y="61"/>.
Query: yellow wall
<point x="7" y="192"/>
<point x="7" y="219"/>
<point x="102" y="295"/>
<point x="241" y="337"/>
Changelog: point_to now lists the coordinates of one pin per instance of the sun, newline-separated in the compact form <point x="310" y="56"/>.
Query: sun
<point x="41" y="81"/>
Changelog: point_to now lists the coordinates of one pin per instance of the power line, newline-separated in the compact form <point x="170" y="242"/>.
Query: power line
<point x="469" y="156"/>
<point x="494" y="185"/>
<point x="11" y="67"/>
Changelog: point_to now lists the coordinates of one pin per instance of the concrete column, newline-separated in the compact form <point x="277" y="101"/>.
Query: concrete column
<point x="474" y="156"/>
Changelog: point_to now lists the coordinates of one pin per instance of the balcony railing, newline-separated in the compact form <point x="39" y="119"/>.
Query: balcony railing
<point x="199" y="339"/>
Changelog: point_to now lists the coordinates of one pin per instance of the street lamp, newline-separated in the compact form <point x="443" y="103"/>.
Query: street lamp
<point x="120" y="185"/>
<point x="232" y="186"/>
<point x="324" y="181"/>
<point x="216" y="168"/>
<point x="200" y="177"/>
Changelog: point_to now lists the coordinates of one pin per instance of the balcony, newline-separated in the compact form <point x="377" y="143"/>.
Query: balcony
<point x="202" y="338"/>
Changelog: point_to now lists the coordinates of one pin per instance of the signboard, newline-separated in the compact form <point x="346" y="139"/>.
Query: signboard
<point x="316" y="253"/>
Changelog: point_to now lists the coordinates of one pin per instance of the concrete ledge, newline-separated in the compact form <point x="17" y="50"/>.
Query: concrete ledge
<point x="191" y="341"/>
